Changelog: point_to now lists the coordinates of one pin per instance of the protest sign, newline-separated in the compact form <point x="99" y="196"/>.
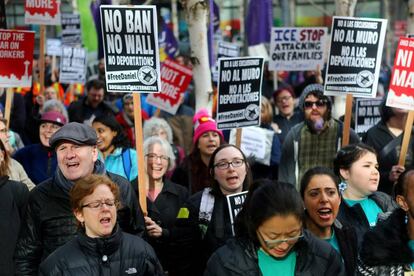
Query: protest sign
<point x="71" y="29"/>
<point x="367" y="114"/>
<point x="130" y="39"/>
<point x="235" y="204"/>
<point x="72" y="65"/>
<point x="297" y="49"/>
<point x="16" y="57"/>
<point x="355" y="56"/>
<point x="175" y="79"/>
<point x="53" y="47"/>
<point x="42" y="12"/>
<point x="401" y="91"/>
<point x="3" y="20"/>
<point x="227" y="49"/>
<point x="239" y="91"/>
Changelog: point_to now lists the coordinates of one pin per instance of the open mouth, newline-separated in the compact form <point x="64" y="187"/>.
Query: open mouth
<point x="72" y="165"/>
<point x="156" y="169"/>
<point x="325" y="213"/>
<point x="233" y="179"/>
<point x="105" y="221"/>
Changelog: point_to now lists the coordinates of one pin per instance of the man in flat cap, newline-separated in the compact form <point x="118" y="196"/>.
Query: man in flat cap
<point x="50" y="222"/>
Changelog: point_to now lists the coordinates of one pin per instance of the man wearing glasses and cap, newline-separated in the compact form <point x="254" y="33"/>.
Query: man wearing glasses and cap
<point x="313" y="142"/>
<point x="50" y="222"/>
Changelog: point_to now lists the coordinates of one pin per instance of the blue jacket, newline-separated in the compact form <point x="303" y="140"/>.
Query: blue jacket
<point x="118" y="163"/>
<point x="38" y="161"/>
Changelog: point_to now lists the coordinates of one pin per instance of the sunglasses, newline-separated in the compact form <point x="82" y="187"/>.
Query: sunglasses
<point x="319" y="103"/>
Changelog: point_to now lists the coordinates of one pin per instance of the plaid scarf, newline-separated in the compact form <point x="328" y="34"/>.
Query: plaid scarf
<point x="317" y="149"/>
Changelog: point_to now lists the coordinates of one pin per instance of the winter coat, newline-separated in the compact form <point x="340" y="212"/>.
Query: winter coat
<point x="50" y="222"/>
<point x="17" y="173"/>
<point x="116" y="163"/>
<point x="118" y="254"/>
<point x="79" y="111"/>
<point x="290" y="164"/>
<point x="239" y="258"/>
<point x="356" y="217"/>
<point x="286" y="124"/>
<point x="348" y="246"/>
<point x="13" y="202"/>
<point x="385" y="249"/>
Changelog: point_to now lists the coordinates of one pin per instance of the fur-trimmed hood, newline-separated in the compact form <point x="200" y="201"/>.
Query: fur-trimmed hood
<point x="387" y="243"/>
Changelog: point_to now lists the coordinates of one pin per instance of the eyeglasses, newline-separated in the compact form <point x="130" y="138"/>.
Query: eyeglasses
<point x="153" y="157"/>
<point x="235" y="163"/>
<point x="273" y="243"/>
<point x="283" y="99"/>
<point x="99" y="204"/>
<point x="319" y="103"/>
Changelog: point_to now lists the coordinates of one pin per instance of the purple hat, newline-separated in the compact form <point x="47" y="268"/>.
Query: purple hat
<point x="53" y="117"/>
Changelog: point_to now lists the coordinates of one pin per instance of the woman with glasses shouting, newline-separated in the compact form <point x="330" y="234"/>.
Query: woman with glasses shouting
<point x="100" y="248"/>
<point x="205" y="220"/>
<point x="270" y="239"/>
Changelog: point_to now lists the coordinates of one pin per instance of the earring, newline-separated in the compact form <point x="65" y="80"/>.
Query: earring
<point x="406" y="218"/>
<point x="342" y="186"/>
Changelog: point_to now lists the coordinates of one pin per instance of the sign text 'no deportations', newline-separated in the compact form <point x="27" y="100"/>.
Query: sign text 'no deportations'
<point x="130" y="39"/>
<point x="401" y="91"/>
<point x="297" y="49"/>
<point x="239" y="91"/>
<point x="355" y="56"/>
<point x="367" y="114"/>
<point x="16" y="57"/>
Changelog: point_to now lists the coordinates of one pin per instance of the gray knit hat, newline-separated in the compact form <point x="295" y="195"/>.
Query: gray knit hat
<point x="317" y="90"/>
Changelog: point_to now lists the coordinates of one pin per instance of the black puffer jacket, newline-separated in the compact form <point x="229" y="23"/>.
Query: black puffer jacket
<point x="119" y="254"/>
<point x="50" y="222"/>
<point x="385" y="249"/>
<point x="239" y="258"/>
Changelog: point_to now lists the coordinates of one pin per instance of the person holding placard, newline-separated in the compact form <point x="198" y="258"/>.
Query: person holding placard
<point x="386" y="138"/>
<point x="313" y="142"/>
<point x="388" y="248"/>
<point x="320" y="194"/>
<point x="362" y="204"/>
<point x="204" y="220"/>
<point x="193" y="173"/>
<point x="271" y="240"/>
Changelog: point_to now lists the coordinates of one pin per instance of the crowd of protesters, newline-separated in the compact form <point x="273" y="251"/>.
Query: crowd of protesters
<point x="69" y="189"/>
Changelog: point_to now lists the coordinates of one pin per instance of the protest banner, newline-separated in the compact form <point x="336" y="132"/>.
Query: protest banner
<point x="367" y="114"/>
<point x="3" y="20"/>
<point x="297" y="49"/>
<point x="175" y="79"/>
<point x="72" y="65"/>
<point x="42" y="12"/>
<point x="16" y="58"/>
<point x="235" y="204"/>
<point x="239" y="91"/>
<point x="354" y="60"/>
<point x="71" y="29"/>
<point x="53" y="47"/>
<point x="130" y="39"/>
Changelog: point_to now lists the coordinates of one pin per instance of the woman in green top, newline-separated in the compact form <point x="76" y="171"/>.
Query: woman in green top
<point x="270" y="239"/>
<point x="357" y="166"/>
<point x="320" y="193"/>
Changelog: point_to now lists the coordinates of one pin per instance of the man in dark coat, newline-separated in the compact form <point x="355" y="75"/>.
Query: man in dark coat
<point x="50" y="222"/>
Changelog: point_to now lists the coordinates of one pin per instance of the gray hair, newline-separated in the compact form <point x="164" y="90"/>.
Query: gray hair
<point x="155" y="124"/>
<point x="55" y="105"/>
<point x="150" y="141"/>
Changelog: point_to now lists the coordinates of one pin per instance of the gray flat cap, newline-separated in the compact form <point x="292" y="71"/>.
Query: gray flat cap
<point x="77" y="133"/>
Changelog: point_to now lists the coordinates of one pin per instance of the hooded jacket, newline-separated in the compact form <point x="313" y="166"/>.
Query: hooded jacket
<point x="118" y="254"/>
<point x="50" y="222"/>
<point x="385" y="249"/>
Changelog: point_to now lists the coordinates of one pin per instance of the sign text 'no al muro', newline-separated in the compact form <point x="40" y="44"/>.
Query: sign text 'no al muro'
<point x="130" y="39"/>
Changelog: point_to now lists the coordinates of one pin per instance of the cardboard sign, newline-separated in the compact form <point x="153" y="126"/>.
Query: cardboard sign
<point x="42" y="12"/>
<point x="235" y="204"/>
<point x="239" y="91"/>
<point x="16" y="57"/>
<point x="175" y="79"/>
<point x="130" y="39"/>
<point x="227" y="49"/>
<point x="71" y="29"/>
<point x="72" y="65"/>
<point x="53" y="47"/>
<point x="367" y="114"/>
<point x="401" y="91"/>
<point x="355" y="56"/>
<point x="255" y="142"/>
<point x="297" y="49"/>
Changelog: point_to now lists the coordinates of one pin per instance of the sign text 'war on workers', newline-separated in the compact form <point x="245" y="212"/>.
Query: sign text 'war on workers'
<point x="131" y="48"/>
<point x="355" y="56"/>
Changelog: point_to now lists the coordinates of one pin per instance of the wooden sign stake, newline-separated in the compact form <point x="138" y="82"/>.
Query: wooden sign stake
<point x="347" y="121"/>
<point x="7" y="108"/>
<point x="406" y="138"/>
<point x="42" y="58"/>
<point x="238" y="137"/>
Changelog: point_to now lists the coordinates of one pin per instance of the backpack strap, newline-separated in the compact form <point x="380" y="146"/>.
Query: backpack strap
<point x="206" y="211"/>
<point x="126" y="161"/>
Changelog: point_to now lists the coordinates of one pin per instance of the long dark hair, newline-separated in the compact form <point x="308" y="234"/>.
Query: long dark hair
<point x="265" y="200"/>
<point x="120" y="140"/>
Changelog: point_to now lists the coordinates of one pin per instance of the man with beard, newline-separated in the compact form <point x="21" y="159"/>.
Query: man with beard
<point x="313" y="142"/>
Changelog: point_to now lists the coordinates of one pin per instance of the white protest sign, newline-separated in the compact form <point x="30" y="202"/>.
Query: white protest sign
<point x="53" y="47"/>
<point x="297" y="49"/>
<point x="72" y="65"/>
